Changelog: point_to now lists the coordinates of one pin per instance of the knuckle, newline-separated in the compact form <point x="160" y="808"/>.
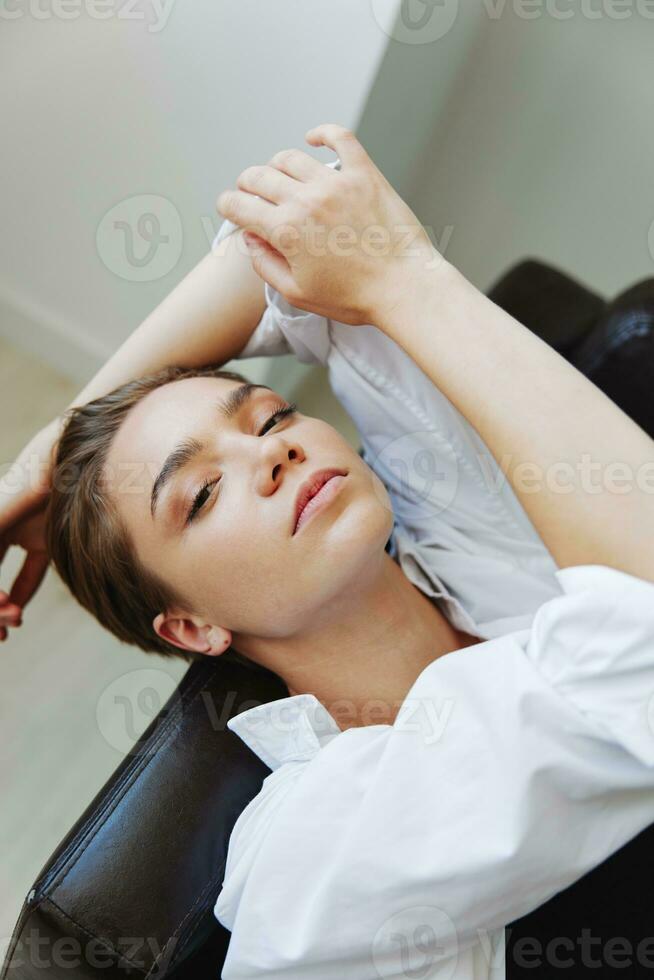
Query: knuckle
<point x="312" y="201"/>
<point x="251" y="177"/>
<point x="286" y="239"/>
<point x="223" y="201"/>
<point x="284" y="158"/>
<point x="284" y="233"/>
<point x="294" y="215"/>
<point x="336" y="130"/>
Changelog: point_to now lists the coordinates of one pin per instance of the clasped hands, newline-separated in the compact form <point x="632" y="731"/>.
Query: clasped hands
<point x="342" y="244"/>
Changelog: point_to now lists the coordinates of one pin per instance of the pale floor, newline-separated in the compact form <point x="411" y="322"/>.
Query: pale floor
<point x="69" y="691"/>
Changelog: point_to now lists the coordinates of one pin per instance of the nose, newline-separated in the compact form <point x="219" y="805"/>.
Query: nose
<point x="277" y="454"/>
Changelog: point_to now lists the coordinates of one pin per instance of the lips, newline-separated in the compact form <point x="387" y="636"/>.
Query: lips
<point x="310" y="488"/>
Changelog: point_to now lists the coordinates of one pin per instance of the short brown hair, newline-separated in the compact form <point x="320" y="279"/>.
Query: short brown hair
<point x="88" y="542"/>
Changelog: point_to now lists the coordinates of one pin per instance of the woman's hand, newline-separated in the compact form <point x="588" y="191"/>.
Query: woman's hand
<point x="340" y="244"/>
<point x="24" y="493"/>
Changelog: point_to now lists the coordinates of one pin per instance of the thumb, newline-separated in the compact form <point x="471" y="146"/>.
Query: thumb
<point x="269" y="264"/>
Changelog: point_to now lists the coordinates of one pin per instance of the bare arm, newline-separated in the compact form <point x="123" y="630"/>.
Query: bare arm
<point x="207" y="318"/>
<point x="528" y="404"/>
<point x="583" y="471"/>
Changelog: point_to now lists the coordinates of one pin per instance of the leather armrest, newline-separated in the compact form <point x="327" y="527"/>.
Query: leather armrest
<point x="131" y="888"/>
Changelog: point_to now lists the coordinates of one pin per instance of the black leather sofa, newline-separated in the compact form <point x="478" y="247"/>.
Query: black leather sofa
<point x="130" y="890"/>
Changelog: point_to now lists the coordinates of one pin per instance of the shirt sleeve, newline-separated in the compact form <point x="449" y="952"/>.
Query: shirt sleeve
<point x="513" y="768"/>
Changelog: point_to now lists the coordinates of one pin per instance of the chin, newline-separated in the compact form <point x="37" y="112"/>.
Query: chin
<point x="352" y="544"/>
<point x="338" y="559"/>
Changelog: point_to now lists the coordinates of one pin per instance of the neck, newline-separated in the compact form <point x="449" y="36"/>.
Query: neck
<point x="362" y="656"/>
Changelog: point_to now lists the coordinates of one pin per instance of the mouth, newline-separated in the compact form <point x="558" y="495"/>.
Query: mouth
<point x="311" y="494"/>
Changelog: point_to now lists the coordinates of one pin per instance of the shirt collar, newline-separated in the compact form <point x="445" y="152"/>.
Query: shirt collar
<point x="289" y="729"/>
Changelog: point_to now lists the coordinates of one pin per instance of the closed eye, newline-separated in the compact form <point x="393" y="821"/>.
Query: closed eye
<point x="202" y="495"/>
<point x="277" y="415"/>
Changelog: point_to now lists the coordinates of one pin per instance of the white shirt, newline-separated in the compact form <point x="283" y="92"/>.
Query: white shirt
<point x="513" y="767"/>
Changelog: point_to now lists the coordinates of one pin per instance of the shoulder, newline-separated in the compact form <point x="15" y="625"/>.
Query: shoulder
<point x="248" y="836"/>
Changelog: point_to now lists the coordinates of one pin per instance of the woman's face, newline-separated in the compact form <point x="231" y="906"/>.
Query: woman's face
<point x="237" y="557"/>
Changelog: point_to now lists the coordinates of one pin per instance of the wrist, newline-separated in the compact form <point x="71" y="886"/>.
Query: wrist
<point x="46" y="443"/>
<point x="411" y="287"/>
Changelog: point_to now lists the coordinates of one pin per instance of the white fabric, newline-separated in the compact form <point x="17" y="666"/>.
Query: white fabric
<point x="514" y="766"/>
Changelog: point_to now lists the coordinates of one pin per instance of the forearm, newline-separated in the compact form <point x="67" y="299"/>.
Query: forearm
<point x="207" y="318"/>
<point x="555" y="434"/>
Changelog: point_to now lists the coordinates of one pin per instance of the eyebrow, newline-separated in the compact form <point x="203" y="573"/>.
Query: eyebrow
<point x="187" y="450"/>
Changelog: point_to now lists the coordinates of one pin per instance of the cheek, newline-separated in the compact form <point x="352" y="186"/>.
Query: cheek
<point x="231" y="559"/>
<point x="252" y="590"/>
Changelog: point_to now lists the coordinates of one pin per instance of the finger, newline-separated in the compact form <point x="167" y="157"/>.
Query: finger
<point x="267" y="182"/>
<point x="298" y="164"/>
<point x="29" y="578"/>
<point x="342" y="141"/>
<point x="10" y="612"/>
<point x="6" y="605"/>
<point x="248" y="211"/>
<point x="270" y="265"/>
<point x="13" y="618"/>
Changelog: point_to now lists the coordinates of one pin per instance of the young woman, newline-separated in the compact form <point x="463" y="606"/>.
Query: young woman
<point x="439" y="767"/>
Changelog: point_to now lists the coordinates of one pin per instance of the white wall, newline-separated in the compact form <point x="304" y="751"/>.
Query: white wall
<point x="546" y="143"/>
<point x="511" y="136"/>
<point x="173" y="104"/>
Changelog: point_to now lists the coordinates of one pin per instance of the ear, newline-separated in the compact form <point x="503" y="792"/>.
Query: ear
<point x="189" y="634"/>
